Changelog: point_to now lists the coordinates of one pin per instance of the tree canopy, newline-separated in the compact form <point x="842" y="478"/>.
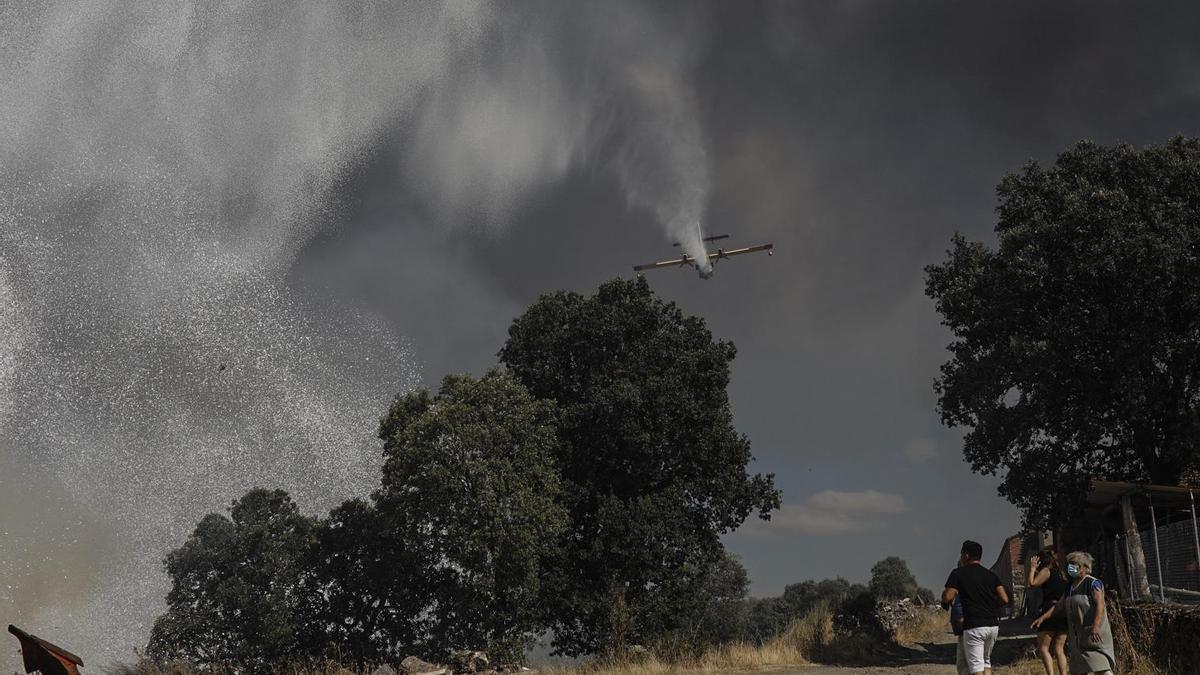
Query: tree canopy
<point x="448" y="553"/>
<point x="892" y="580"/>
<point x="653" y="468"/>
<point x="1076" y="347"/>
<point x="365" y="595"/>
<point x="768" y="617"/>
<point x="583" y="489"/>
<point x="233" y="587"/>
<point x="472" y="471"/>
<point x="702" y="604"/>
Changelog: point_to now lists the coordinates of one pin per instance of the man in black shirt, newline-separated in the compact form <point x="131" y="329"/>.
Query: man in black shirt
<point x="982" y="596"/>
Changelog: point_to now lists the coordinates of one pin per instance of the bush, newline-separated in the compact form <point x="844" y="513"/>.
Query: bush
<point x="892" y="580"/>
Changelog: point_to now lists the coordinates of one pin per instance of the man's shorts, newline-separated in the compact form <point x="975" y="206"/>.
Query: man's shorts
<point x="977" y="645"/>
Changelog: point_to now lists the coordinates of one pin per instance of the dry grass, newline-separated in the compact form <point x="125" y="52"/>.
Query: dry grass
<point x="1133" y="655"/>
<point x="803" y="641"/>
<point x="929" y="625"/>
<point x="738" y="657"/>
<point x="146" y="666"/>
<point x="1030" y="665"/>
<point x="149" y="667"/>
<point x="317" y="668"/>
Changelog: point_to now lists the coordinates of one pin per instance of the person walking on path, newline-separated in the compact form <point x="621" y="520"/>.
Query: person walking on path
<point x="982" y="595"/>
<point x="1047" y="575"/>
<point x="1090" y="641"/>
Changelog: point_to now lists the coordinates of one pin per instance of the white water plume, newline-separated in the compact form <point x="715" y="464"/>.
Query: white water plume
<point x="605" y="86"/>
<point x="162" y="166"/>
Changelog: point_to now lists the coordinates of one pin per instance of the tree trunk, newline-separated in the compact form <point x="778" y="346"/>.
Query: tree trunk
<point x="618" y="619"/>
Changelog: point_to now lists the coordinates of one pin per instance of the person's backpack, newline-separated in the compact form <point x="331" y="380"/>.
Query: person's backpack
<point x="956" y="616"/>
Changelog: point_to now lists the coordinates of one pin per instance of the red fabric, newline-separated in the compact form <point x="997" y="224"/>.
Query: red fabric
<point x="44" y="657"/>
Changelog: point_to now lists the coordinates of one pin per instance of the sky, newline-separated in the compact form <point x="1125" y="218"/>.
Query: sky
<point x="230" y="234"/>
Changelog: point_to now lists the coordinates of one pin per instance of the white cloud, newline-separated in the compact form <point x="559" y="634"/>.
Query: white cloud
<point x="920" y="450"/>
<point x="868" y="501"/>
<point x="831" y="512"/>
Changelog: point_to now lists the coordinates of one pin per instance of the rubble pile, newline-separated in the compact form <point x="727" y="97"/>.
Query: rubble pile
<point x="467" y="661"/>
<point x="893" y="614"/>
<point x="415" y="666"/>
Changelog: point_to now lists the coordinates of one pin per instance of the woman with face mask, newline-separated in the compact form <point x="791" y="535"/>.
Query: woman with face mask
<point x="1089" y="642"/>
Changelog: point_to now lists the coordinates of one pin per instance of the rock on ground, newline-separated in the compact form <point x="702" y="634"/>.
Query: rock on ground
<point x="414" y="666"/>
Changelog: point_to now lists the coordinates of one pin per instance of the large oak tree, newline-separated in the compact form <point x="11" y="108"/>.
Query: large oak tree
<point x="1076" y="347"/>
<point x="653" y="468"/>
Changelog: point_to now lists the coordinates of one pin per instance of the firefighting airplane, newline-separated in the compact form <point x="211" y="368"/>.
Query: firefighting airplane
<point x="705" y="269"/>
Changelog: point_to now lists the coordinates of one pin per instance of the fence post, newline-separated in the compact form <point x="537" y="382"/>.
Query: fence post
<point x="1138" y="579"/>
<point x="1162" y="594"/>
<point x="1120" y="557"/>
<point x="1195" y="529"/>
<point x="1129" y="570"/>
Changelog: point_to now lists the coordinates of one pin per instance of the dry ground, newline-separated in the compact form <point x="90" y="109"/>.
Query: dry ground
<point x="935" y="656"/>
<point x="926" y="648"/>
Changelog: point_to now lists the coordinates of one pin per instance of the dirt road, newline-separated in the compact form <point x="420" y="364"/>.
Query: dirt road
<point x="911" y="669"/>
<point x="928" y="659"/>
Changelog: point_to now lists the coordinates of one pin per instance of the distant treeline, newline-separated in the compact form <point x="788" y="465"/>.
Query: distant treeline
<point x="765" y="618"/>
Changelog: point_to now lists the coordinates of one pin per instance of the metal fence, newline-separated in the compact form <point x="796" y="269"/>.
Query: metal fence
<point x="1173" y="561"/>
<point x="1150" y="549"/>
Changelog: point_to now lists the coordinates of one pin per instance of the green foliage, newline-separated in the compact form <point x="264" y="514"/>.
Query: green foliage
<point x="449" y="553"/>
<point x="233" y="587"/>
<point x="766" y="618"/>
<point x="653" y="468"/>
<point x="800" y="598"/>
<point x="702" y="605"/>
<point x="584" y="489"/>
<point x="365" y="593"/>
<point x="857" y="611"/>
<point x="1076" y="347"/>
<point x="471" y="473"/>
<point x="891" y="580"/>
<point x="853" y="606"/>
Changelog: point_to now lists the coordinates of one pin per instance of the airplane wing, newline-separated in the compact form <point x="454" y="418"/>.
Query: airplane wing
<point x="770" y="248"/>
<point x="685" y="260"/>
<point x="712" y="257"/>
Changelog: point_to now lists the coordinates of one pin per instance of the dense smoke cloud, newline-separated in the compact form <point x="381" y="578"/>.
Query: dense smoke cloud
<point x="606" y="86"/>
<point x="163" y="165"/>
